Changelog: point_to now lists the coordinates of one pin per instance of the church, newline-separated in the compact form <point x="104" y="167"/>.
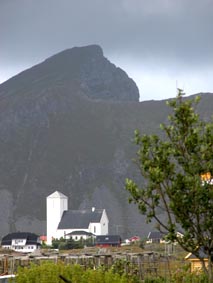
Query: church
<point x="62" y="222"/>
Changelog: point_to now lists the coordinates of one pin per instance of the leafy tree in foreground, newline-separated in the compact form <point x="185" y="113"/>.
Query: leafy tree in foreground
<point x="177" y="176"/>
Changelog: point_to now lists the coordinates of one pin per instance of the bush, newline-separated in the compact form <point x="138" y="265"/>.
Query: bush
<point x="49" y="272"/>
<point x="185" y="275"/>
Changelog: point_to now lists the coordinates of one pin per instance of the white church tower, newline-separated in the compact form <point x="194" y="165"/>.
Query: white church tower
<point x="57" y="203"/>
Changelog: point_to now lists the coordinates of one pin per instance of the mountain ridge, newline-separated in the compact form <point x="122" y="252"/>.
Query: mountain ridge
<point x="57" y="135"/>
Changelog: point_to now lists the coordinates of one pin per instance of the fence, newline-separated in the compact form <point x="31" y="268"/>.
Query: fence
<point x="144" y="265"/>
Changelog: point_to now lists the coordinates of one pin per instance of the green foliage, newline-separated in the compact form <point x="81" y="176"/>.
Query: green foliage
<point x="179" y="277"/>
<point x="171" y="169"/>
<point x="155" y="280"/>
<point x="63" y="244"/>
<point x="125" y="267"/>
<point x="184" y="275"/>
<point x="56" y="243"/>
<point x="49" y="272"/>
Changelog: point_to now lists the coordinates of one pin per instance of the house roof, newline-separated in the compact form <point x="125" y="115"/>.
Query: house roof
<point x="201" y="253"/>
<point x="108" y="239"/>
<point x="57" y="194"/>
<point x="79" y="219"/>
<point x="31" y="238"/>
<point x="155" y="235"/>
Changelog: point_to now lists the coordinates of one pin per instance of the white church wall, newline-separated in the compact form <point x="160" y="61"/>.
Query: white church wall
<point x="95" y="228"/>
<point x="57" y="203"/>
<point x="104" y="223"/>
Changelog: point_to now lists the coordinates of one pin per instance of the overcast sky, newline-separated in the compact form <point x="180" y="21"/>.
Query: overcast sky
<point x="161" y="44"/>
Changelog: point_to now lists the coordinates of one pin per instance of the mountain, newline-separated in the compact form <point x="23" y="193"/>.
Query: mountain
<point x="68" y="124"/>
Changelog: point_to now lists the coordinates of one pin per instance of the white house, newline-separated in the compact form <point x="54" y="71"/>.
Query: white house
<point x="78" y="235"/>
<point x="61" y="221"/>
<point x="21" y="242"/>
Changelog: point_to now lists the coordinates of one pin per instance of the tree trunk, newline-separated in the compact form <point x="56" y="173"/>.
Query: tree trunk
<point x="210" y="269"/>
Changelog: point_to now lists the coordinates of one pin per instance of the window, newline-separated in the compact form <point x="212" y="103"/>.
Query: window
<point x="94" y="229"/>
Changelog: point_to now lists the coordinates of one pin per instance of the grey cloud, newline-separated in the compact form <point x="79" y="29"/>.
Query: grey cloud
<point x="169" y="32"/>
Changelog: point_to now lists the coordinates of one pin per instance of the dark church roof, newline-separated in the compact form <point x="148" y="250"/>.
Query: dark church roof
<point x="31" y="238"/>
<point x="79" y="219"/>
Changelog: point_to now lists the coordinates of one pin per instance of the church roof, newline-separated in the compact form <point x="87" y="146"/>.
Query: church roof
<point x="79" y="219"/>
<point x="57" y="194"/>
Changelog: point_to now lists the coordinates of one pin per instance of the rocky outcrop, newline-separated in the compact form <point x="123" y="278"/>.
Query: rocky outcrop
<point x="98" y="78"/>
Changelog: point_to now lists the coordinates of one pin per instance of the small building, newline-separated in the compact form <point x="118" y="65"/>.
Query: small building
<point x="79" y="235"/>
<point x="155" y="237"/>
<point x="195" y="262"/>
<point x="43" y="239"/>
<point x="159" y="237"/>
<point x="21" y="242"/>
<point x="108" y="241"/>
<point x="134" y="239"/>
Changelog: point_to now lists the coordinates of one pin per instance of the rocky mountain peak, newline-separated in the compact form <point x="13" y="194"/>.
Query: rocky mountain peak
<point x="85" y="67"/>
<point x="99" y="79"/>
<point x="78" y="54"/>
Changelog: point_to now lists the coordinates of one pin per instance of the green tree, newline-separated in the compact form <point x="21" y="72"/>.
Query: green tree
<point x="173" y="170"/>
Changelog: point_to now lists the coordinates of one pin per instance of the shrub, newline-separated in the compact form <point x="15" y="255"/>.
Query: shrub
<point x="49" y="272"/>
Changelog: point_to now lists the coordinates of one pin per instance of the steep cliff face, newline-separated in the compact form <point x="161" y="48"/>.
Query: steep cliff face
<point x="68" y="124"/>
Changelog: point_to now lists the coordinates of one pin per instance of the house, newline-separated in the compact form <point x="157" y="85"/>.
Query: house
<point x="155" y="237"/>
<point x="159" y="237"/>
<point x="108" y="241"/>
<point x="78" y="235"/>
<point x="195" y="262"/>
<point x="61" y="221"/>
<point x="207" y="178"/>
<point x="21" y="242"/>
<point x="134" y="239"/>
<point x="43" y="239"/>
